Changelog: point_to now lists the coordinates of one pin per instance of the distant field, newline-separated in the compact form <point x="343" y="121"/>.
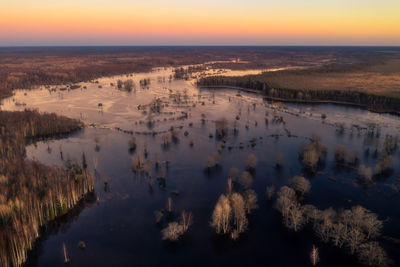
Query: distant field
<point x="28" y="67"/>
<point x="379" y="78"/>
<point x="370" y="79"/>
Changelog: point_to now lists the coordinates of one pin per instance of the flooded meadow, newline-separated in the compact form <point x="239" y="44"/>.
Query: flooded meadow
<point x="159" y="146"/>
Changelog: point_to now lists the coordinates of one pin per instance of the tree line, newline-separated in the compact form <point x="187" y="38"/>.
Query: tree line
<point x="32" y="194"/>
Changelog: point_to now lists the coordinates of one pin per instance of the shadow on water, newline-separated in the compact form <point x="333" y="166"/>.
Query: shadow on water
<point x="61" y="224"/>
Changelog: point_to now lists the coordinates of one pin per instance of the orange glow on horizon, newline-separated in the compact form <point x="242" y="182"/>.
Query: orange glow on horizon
<point x="105" y="22"/>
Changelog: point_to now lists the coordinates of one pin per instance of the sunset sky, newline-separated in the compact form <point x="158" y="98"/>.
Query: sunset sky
<point x="206" y="22"/>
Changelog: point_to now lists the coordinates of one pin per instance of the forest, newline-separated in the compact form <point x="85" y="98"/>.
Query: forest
<point x="32" y="194"/>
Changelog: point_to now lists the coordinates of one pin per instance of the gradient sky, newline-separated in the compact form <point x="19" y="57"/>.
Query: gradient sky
<point x="205" y="22"/>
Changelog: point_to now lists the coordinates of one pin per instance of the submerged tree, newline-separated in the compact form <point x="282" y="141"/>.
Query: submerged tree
<point x="222" y="215"/>
<point x="172" y="232"/>
<point x="314" y="255"/>
<point x="300" y="185"/>
<point x="251" y="161"/>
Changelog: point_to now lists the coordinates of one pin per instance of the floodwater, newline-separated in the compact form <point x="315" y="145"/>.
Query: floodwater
<point x="119" y="228"/>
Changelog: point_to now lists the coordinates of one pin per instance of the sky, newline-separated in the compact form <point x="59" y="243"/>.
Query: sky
<point x="200" y="22"/>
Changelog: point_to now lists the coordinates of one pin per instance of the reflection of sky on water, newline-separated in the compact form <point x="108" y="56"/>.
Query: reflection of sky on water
<point x="121" y="230"/>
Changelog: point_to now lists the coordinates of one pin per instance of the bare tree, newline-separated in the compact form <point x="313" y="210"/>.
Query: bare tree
<point x="279" y="161"/>
<point x="246" y="179"/>
<point x="172" y="232"/>
<point x="186" y="220"/>
<point x="158" y="215"/>
<point x="340" y="154"/>
<point x="296" y="217"/>
<point x="354" y="238"/>
<point x="286" y="196"/>
<point x="365" y="174"/>
<point x="250" y="198"/>
<point x="385" y="163"/>
<point x="234" y="173"/>
<point x="221" y="127"/>
<point x="251" y="161"/>
<point x="270" y="192"/>
<point x="300" y="185"/>
<point x="210" y="162"/>
<point x="314" y="255"/>
<point x="170" y="205"/>
<point x="372" y="254"/>
<point x="222" y="215"/>
<point x="313" y="153"/>
<point x="229" y="186"/>
<point x="239" y="214"/>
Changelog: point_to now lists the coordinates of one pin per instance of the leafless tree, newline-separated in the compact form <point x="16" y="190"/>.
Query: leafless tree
<point x="314" y="255"/>
<point x="296" y="217"/>
<point x="340" y="154"/>
<point x="234" y="173"/>
<point x="221" y="127"/>
<point x="300" y="185"/>
<point x="354" y="238"/>
<point x="172" y="232"/>
<point x="229" y="186"/>
<point x="372" y="254"/>
<point x="210" y="162"/>
<point x="250" y="198"/>
<point x="158" y="215"/>
<point x="239" y="213"/>
<point x="170" y="205"/>
<point x="365" y="174"/>
<point x="251" y="161"/>
<point x="313" y="153"/>
<point x="222" y="215"/>
<point x="186" y="220"/>
<point x="246" y="179"/>
<point x="385" y="163"/>
<point x="270" y="192"/>
<point x="279" y="160"/>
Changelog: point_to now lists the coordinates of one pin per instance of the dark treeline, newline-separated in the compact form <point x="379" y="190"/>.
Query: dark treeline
<point x="32" y="194"/>
<point x="379" y="103"/>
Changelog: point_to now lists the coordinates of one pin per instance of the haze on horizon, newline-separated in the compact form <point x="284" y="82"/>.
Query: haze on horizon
<point x="218" y="22"/>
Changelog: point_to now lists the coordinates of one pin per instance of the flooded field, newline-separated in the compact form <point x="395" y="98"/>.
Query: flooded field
<point x="162" y="146"/>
